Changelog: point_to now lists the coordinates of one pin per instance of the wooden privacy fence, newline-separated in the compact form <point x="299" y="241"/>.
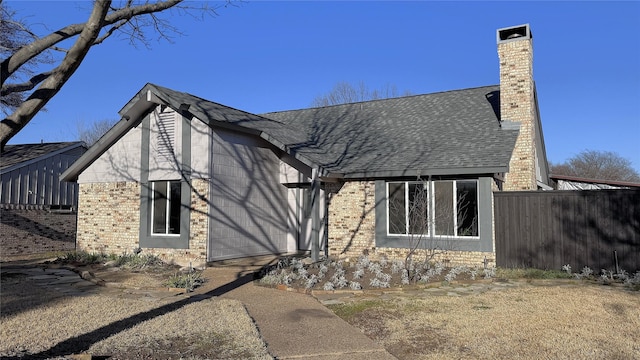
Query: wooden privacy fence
<point x="549" y="229"/>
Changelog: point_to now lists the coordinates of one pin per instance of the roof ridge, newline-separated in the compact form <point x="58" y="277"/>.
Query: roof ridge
<point x="379" y="100"/>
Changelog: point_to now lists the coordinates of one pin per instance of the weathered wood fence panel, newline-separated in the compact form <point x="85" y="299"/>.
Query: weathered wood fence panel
<point x="548" y="229"/>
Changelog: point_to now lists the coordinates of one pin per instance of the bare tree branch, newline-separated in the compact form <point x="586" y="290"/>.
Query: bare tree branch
<point x="593" y="164"/>
<point x="25" y="86"/>
<point x="110" y="31"/>
<point x="50" y="87"/>
<point x="26" y="53"/>
<point x="129" y="19"/>
<point x="345" y="93"/>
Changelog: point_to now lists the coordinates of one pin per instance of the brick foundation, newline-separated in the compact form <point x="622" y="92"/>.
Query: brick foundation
<point x="449" y="258"/>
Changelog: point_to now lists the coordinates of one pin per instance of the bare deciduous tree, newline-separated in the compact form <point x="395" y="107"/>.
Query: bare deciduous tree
<point x="14" y="34"/>
<point x="91" y="133"/>
<point x="593" y="164"/>
<point x="24" y="96"/>
<point x="344" y="93"/>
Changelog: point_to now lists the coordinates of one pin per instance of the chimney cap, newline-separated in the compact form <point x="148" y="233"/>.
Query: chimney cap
<point x="514" y="33"/>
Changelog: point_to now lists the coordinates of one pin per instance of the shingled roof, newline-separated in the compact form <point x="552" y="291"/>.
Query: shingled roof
<point x="447" y="133"/>
<point x="453" y="132"/>
<point x="216" y="114"/>
<point x="23" y="153"/>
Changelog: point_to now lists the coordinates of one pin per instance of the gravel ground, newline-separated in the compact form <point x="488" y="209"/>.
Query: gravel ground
<point x="43" y="324"/>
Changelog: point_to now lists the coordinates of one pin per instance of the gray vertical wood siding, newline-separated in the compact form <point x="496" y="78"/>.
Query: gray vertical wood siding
<point x="248" y="203"/>
<point x="38" y="183"/>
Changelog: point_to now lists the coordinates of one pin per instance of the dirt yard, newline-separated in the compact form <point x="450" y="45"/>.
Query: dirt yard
<point x="38" y="323"/>
<point x="560" y="319"/>
<point x="572" y="321"/>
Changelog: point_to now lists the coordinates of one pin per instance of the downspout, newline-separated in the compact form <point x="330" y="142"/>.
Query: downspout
<point x="315" y="215"/>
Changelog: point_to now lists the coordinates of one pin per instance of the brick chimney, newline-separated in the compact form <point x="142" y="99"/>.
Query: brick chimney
<point x="517" y="103"/>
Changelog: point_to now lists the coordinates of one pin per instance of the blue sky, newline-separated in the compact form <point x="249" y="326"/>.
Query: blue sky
<point x="268" y="56"/>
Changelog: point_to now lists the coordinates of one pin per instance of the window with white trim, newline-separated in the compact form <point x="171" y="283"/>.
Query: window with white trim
<point x="447" y="208"/>
<point x="165" y="207"/>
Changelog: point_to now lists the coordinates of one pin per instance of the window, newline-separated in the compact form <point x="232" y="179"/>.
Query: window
<point x="442" y="208"/>
<point x="165" y="207"/>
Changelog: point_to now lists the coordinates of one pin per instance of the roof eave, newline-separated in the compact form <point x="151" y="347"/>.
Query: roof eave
<point x="422" y="172"/>
<point x="131" y="115"/>
<point x="44" y="156"/>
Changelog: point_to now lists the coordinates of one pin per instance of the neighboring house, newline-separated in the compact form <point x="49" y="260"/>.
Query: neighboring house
<point x="193" y="181"/>
<point x="37" y="208"/>
<point x="563" y="182"/>
<point x="30" y="174"/>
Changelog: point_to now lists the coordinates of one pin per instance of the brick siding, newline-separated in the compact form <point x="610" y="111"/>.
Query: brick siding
<point x="352" y="224"/>
<point x="109" y="221"/>
<point x="352" y="228"/>
<point x="109" y="217"/>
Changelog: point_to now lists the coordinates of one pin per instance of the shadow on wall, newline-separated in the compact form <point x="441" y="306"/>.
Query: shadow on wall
<point x="247" y="205"/>
<point x="547" y="230"/>
<point x="601" y="229"/>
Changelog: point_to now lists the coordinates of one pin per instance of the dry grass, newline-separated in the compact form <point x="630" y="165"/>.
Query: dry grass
<point x="541" y="322"/>
<point x="36" y="322"/>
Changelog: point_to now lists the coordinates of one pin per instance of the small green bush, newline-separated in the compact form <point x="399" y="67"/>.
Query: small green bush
<point x="138" y="261"/>
<point x="188" y="281"/>
<point x="83" y="257"/>
<point x="133" y="261"/>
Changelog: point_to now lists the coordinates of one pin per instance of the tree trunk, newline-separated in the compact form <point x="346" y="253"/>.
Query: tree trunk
<point x="13" y="123"/>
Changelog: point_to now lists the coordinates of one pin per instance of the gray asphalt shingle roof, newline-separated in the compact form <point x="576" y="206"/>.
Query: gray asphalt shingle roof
<point x="447" y="133"/>
<point x="211" y="112"/>
<point x="16" y="154"/>
<point x="454" y="132"/>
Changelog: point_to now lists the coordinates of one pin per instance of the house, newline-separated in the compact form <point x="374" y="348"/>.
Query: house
<point x="30" y="174"/>
<point x="193" y="181"/>
<point x="564" y="182"/>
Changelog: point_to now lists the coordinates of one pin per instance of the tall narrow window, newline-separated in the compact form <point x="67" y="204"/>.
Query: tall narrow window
<point x="418" y="210"/>
<point x="165" y="207"/>
<point x="467" y="206"/>
<point x="444" y="206"/>
<point x="396" y="208"/>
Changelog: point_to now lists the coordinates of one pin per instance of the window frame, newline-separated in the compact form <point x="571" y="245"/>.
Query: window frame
<point x="432" y="210"/>
<point x="168" y="208"/>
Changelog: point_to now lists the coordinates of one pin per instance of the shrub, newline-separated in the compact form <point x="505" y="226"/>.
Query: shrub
<point x="188" y="281"/>
<point x="83" y="257"/>
<point x="138" y="261"/>
<point x="328" y="286"/>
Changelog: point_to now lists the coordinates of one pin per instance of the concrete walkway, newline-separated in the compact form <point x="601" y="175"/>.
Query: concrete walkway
<point x="293" y="325"/>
